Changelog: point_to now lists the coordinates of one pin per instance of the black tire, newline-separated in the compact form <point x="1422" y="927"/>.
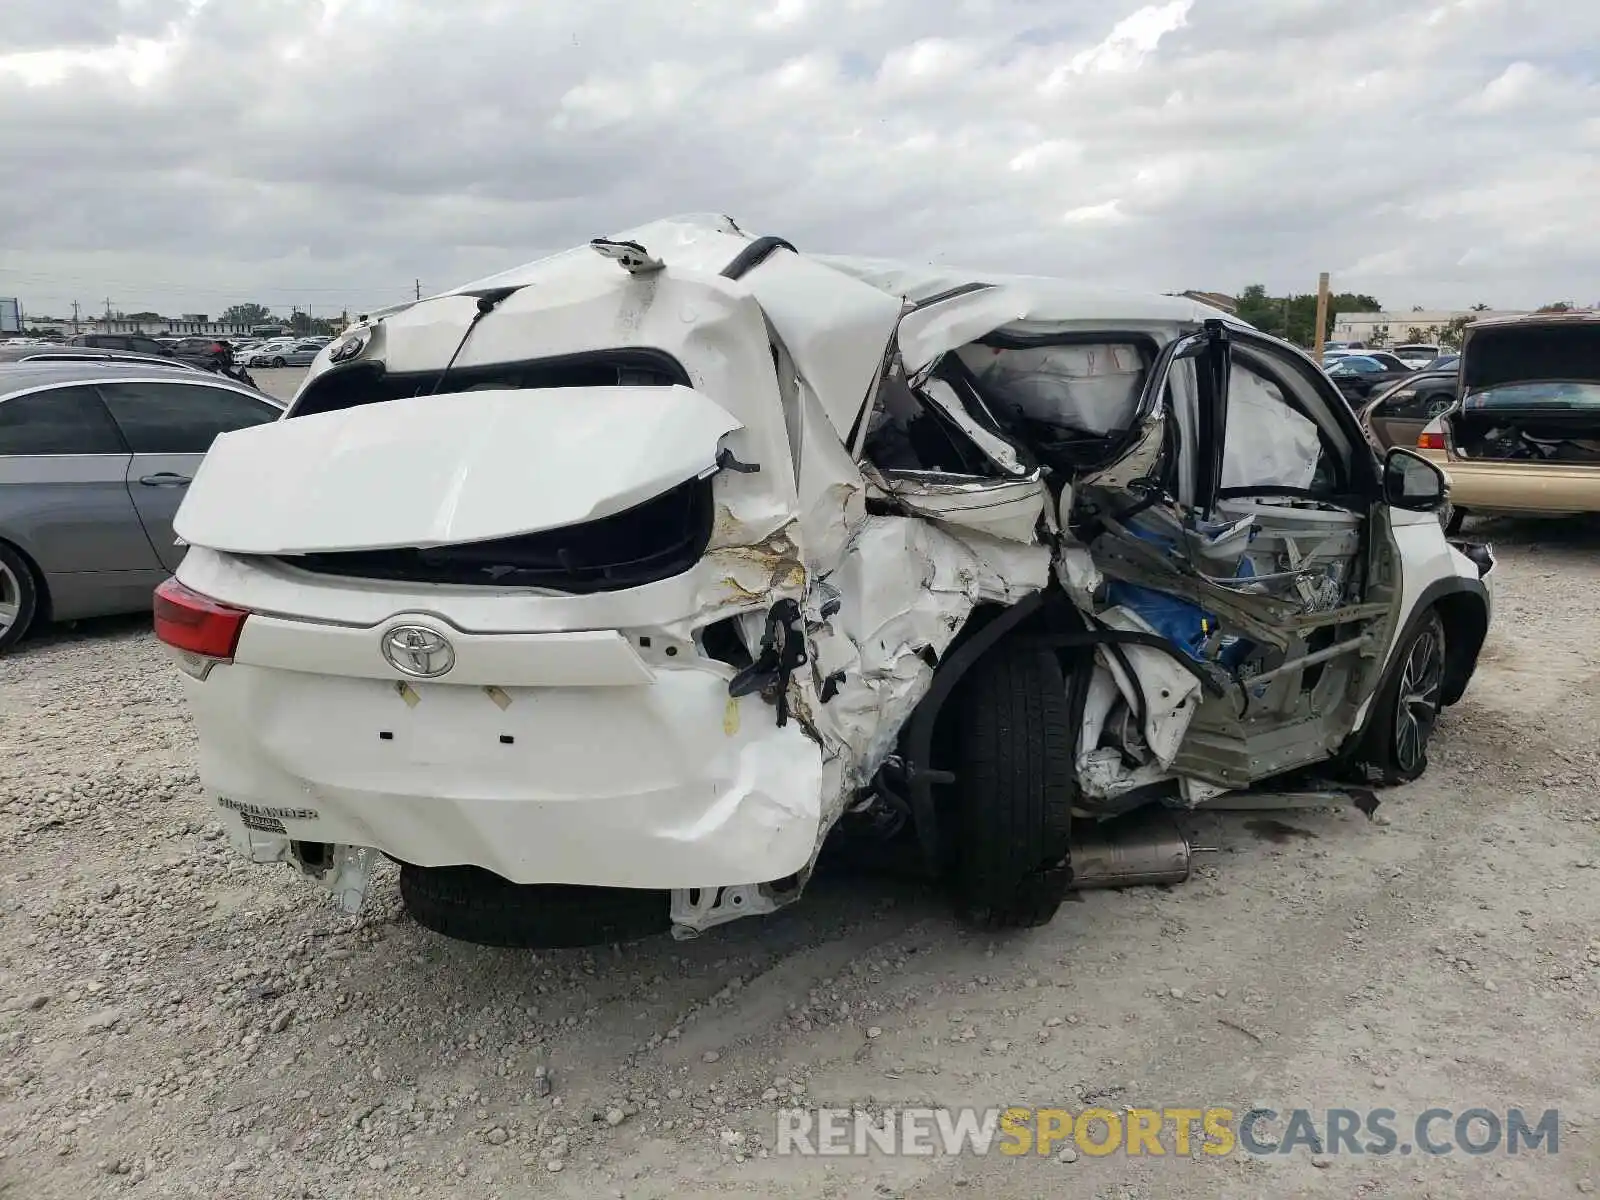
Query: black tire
<point x="19" y="597"/>
<point x="1407" y="708"/>
<point x="279" y="362"/>
<point x="478" y="906"/>
<point x="1015" y="787"/>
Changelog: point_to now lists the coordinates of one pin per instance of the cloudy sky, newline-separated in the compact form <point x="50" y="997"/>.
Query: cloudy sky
<point x="182" y="155"/>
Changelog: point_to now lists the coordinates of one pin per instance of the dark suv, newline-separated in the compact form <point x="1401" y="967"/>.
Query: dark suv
<point x="136" y="342"/>
<point x="208" y="352"/>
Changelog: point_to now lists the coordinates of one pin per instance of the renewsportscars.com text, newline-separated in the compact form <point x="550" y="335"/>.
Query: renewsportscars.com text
<point x="1213" y="1131"/>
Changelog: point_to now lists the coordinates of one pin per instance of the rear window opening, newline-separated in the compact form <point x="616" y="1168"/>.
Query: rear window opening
<point x="663" y="537"/>
<point x="1067" y="402"/>
<point x="368" y="383"/>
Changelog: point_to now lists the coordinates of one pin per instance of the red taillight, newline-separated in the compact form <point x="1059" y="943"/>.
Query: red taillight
<point x="1430" y="441"/>
<point x="186" y="620"/>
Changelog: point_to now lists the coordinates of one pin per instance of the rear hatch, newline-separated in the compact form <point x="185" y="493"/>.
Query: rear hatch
<point x="1530" y="393"/>
<point x="570" y="488"/>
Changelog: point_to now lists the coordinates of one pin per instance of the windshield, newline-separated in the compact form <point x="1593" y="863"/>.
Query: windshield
<point x="1545" y="394"/>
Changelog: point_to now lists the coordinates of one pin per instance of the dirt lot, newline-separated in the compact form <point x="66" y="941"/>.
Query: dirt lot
<point x="281" y="382"/>
<point x="176" y="1023"/>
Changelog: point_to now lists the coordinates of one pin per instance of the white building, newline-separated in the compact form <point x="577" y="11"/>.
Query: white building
<point x="1393" y="328"/>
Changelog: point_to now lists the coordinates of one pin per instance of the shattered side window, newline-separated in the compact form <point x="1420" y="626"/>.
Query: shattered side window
<point x="908" y="433"/>
<point x="1269" y="443"/>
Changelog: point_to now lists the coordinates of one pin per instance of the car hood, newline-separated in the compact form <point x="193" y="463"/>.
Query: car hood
<point x="1497" y="355"/>
<point x="448" y="469"/>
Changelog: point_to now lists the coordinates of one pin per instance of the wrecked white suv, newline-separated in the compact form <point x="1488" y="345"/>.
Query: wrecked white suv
<point x="597" y="593"/>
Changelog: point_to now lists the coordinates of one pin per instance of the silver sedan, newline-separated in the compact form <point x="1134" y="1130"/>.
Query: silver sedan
<point x="298" y="354"/>
<point x="94" y="460"/>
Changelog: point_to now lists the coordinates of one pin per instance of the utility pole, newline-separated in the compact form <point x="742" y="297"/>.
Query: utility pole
<point x="419" y="289"/>
<point x="74" y="316"/>
<point x="108" y="312"/>
<point x="1320" y="334"/>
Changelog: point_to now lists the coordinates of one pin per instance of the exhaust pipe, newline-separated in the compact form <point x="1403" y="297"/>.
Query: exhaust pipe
<point x="1144" y="847"/>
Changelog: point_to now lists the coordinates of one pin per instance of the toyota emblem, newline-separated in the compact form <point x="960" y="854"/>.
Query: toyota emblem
<point x="418" y="651"/>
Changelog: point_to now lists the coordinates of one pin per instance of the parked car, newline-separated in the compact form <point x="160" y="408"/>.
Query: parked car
<point x="285" y="354"/>
<point x="602" y="532"/>
<point x="1416" y="354"/>
<point x="1388" y="360"/>
<point x="1358" y="376"/>
<point x="137" y="343"/>
<point x="261" y="353"/>
<point x="94" y="459"/>
<point x="1445" y="362"/>
<point x="207" y="352"/>
<point x="1397" y="414"/>
<point x="45" y="352"/>
<point x="292" y="354"/>
<point x="1525" y="438"/>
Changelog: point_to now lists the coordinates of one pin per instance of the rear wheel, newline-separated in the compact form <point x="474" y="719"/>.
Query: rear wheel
<point x="19" y="596"/>
<point x="1014" y="790"/>
<point x="1408" y="707"/>
<point x="478" y="906"/>
<point x="279" y="361"/>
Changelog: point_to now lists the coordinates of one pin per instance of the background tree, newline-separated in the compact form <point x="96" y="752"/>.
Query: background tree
<point x="1414" y="334"/>
<point x="305" y="325"/>
<point x="1450" y="335"/>
<point x="1480" y="306"/>
<point x="1295" y="317"/>
<point x="246" y="314"/>
<point x="1558" y="306"/>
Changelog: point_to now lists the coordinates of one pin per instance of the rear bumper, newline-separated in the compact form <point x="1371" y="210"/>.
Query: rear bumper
<point x="666" y="783"/>
<point x="1519" y="487"/>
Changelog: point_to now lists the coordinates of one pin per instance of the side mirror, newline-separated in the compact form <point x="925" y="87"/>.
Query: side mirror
<point x="1412" y="482"/>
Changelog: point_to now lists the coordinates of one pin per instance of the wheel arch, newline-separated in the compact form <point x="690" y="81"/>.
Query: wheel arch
<point x="1465" y="614"/>
<point x="1463" y="607"/>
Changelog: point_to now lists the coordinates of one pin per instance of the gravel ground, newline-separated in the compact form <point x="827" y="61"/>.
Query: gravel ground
<point x="280" y="382"/>
<point x="176" y="1023"/>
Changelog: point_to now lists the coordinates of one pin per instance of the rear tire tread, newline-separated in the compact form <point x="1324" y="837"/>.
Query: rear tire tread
<point x="1015" y="775"/>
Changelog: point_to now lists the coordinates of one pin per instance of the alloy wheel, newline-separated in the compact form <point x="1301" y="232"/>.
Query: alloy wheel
<point x="10" y="597"/>
<point x="1418" y="707"/>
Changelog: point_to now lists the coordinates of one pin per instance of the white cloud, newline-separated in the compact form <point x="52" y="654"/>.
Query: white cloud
<point x="1128" y="44"/>
<point x="182" y="156"/>
<point x="1107" y="213"/>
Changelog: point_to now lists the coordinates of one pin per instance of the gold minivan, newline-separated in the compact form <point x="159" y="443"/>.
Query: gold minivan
<point x="1524" y="439"/>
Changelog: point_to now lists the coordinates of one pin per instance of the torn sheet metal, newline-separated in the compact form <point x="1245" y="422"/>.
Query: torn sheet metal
<point x="835" y="328"/>
<point x="897" y="600"/>
<point x="833" y="490"/>
<point x="1171" y="694"/>
<point x="1076" y="570"/>
<point x="997" y="449"/>
<point x="1010" y="510"/>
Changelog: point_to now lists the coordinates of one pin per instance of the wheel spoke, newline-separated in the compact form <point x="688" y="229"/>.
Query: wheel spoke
<point x="1417" y="705"/>
<point x="8" y="614"/>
